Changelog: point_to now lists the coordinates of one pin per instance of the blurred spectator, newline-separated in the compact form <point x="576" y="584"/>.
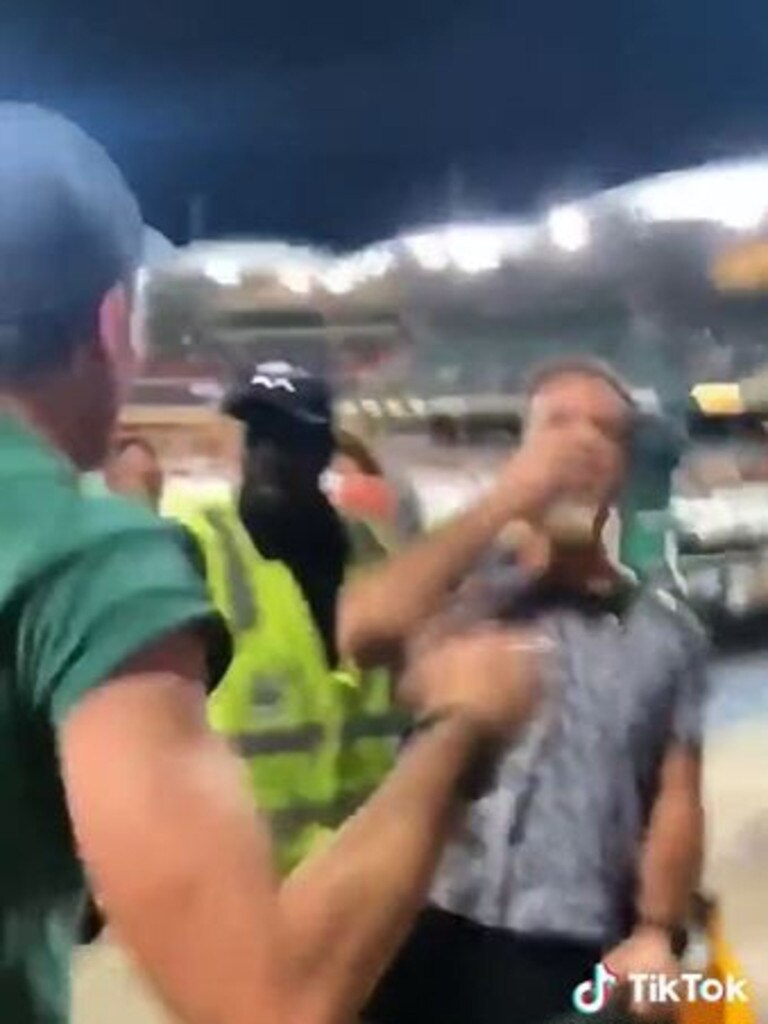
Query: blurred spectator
<point x="134" y="470"/>
<point x="361" y="489"/>
<point x="645" y="526"/>
<point x="353" y="455"/>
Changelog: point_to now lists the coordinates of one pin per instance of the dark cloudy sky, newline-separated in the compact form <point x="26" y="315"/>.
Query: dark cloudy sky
<point x="343" y="120"/>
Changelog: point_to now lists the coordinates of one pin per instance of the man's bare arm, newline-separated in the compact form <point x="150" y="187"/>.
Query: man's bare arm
<point x="348" y="908"/>
<point x="382" y="608"/>
<point x="671" y="860"/>
<point x="183" y="865"/>
<point x="174" y="849"/>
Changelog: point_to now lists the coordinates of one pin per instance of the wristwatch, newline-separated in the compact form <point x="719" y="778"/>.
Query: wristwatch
<point x="676" y="933"/>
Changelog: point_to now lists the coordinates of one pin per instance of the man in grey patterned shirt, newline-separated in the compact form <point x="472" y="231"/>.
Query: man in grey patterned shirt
<point x="589" y="846"/>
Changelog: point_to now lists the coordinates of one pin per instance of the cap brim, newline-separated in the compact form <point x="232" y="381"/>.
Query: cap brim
<point x="244" y="405"/>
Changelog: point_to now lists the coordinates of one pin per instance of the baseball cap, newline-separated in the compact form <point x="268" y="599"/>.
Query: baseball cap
<point x="285" y="389"/>
<point x="70" y="226"/>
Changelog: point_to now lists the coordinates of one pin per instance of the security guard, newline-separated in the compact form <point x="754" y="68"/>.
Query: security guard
<point x="316" y="734"/>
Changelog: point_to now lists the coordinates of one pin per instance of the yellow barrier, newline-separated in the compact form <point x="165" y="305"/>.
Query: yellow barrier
<point x="723" y="964"/>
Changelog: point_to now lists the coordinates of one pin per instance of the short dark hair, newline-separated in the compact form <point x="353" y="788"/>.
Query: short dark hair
<point x="128" y="441"/>
<point x="579" y="366"/>
<point x="45" y="342"/>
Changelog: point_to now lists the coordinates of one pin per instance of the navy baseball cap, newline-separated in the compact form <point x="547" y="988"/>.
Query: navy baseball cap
<point x="70" y="227"/>
<point x="284" y="389"/>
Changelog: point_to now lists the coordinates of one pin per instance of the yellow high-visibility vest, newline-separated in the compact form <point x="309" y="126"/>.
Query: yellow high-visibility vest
<point x="316" y="741"/>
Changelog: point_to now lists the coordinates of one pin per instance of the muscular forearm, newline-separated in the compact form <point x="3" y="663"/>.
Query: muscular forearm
<point x="224" y="945"/>
<point x="200" y="915"/>
<point x="182" y="862"/>
<point x="671" y="860"/>
<point x="382" y="608"/>
<point x="348" y="908"/>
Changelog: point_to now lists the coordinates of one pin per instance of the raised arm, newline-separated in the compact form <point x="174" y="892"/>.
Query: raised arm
<point x="183" y="865"/>
<point x="380" y="609"/>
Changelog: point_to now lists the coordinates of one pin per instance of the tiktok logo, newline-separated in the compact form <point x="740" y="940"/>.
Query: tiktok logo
<point x="690" y="987"/>
<point x="592" y="996"/>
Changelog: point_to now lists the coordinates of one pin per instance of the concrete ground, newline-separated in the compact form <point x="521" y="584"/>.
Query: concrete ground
<point x="106" y="989"/>
<point x="736" y="786"/>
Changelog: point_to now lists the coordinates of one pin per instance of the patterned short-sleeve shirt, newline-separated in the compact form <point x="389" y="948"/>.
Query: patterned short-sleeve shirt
<point x="553" y="849"/>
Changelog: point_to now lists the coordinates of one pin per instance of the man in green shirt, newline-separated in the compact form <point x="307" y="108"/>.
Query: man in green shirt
<point x="107" y="643"/>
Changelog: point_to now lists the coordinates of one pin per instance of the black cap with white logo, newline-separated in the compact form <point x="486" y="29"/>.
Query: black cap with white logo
<point x="284" y="389"/>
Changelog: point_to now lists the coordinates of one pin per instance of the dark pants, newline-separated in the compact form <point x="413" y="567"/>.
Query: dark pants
<point x="452" y="971"/>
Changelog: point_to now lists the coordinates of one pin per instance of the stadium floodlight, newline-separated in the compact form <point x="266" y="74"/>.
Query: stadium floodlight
<point x="568" y="228"/>
<point x="429" y="250"/>
<point x="474" y="249"/>
<point x="375" y="262"/>
<point x="296" y="279"/>
<point x="340" y="279"/>
<point x="734" y="196"/>
<point x="224" y="271"/>
<point x="469" y="248"/>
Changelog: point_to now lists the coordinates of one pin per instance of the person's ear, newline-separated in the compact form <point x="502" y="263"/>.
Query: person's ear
<point x="115" y="333"/>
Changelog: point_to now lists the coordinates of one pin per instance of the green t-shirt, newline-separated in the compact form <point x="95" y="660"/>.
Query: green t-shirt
<point x="94" y="484"/>
<point x="85" y="582"/>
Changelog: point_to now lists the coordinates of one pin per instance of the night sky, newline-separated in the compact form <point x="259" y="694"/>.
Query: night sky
<point x="342" y="121"/>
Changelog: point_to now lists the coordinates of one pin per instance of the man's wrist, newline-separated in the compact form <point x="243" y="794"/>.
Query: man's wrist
<point x="510" y="502"/>
<point x="480" y="747"/>
<point x="656" y="923"/>
<point x="500" y="506"/>
<point x="451" y="719"/>
<point x="662" y="928"/>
